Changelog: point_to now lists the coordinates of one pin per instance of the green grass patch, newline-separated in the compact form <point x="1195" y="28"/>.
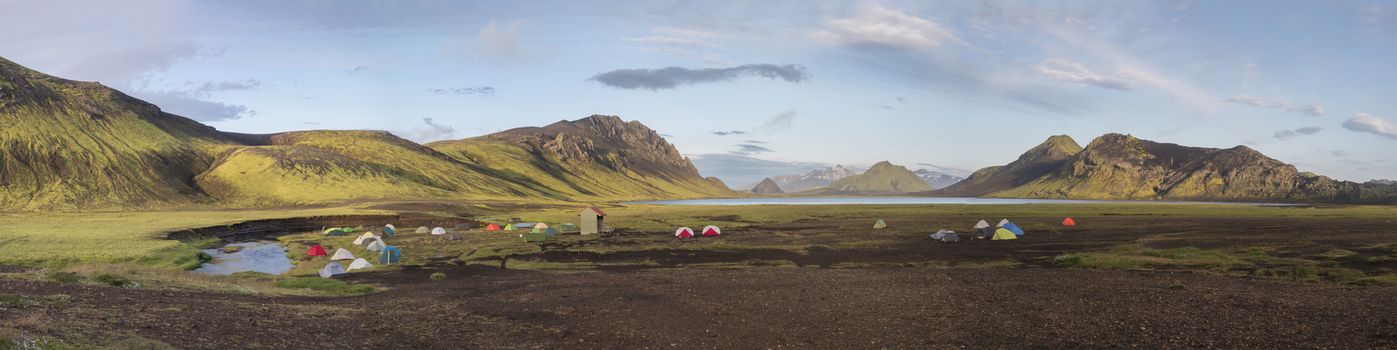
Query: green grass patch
<point x="325" y="285"/>
<point x="113" y="280"/>
<point x="437" y="276"/>
<point x="1336" y="254"/>
<point x="13" y="301"/>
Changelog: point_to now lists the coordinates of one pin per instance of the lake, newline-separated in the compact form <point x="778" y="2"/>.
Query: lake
<point x="910" y="200"/>
<point x="257" y="256"/>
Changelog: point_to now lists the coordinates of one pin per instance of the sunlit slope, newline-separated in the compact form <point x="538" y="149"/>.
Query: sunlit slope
<point x="329" y="166"/>
<point x="599" y="157"/>
<point x="68" y="144"/>
<point x="883" y="177"/>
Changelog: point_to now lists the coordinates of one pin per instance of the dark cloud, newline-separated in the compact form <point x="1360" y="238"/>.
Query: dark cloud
<point x="754" y="141"/>
<point x="1287" y="134"/>
<point x="747" y="149"/>
<point x="729" y="132"/>
<point x="672" y="77"/>
<point x="475" y="90"/>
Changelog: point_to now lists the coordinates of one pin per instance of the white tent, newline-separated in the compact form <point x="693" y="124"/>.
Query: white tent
<point x="390" y="226"/>
<point x="332" y="270"/>
<point x="376" y="245"/>
<point x="540" y="226"/>
<point x="438" y="231"/>
<point x="359" y="263"/>
<point x="342" y="254"/>
<point x="422" y="229"/>
<point x="1002" y="222"/>
<point x="367" y="236"/>
<point x="981" y="224"/>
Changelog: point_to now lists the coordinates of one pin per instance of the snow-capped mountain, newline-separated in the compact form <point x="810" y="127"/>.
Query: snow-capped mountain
<point x="815" y="179"/>
<point x="937" y="179"/>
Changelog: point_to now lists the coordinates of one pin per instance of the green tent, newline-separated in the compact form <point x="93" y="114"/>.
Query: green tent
<point x="338" y="231"/>
<point x="509" y="227"/>
<point x="880" y="224"/>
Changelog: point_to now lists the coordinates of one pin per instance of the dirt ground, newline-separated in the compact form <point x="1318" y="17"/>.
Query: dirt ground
<point x="482" y="307"/>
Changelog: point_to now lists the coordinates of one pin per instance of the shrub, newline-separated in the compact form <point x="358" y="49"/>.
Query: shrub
<point x="1068" y="260"/>
<point x="12" y="300"/>
<point x="437" y="276"/>
<point x="113" y="280"/>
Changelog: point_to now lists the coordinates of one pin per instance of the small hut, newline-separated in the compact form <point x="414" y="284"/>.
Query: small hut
<point x="591" y="220"/>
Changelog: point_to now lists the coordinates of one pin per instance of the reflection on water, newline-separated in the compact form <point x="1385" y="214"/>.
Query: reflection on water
<point x="906" y="200"/>
<point x="259" y="256"/>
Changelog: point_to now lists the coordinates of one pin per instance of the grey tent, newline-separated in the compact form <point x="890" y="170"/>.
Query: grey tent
<point x="332" y="270"/>
<point x="984" y="233"/>
<point x="946" y="236"/>
<point x="376" y="245"/>
<point x="423" y="229"/>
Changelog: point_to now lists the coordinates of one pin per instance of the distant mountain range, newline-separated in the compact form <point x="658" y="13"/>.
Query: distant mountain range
<point x="67" y="145"/>
<point x="936" y="179"/>
<point x="1116" y="166"/>
<point x="883" y="177"/>
<point x="818" y="178"/>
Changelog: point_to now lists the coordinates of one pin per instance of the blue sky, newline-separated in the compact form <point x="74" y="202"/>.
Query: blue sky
<point x="962" y="84"/>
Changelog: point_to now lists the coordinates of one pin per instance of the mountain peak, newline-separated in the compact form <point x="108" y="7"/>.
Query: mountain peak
<point x="767" y="186"/>
<point x="883" y="177"/>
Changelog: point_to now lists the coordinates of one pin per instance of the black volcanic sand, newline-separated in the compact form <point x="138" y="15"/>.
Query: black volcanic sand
<point x="481" y="307"/>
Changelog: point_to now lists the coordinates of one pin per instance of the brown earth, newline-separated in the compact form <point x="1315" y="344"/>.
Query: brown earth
<point x="481" y="307"/>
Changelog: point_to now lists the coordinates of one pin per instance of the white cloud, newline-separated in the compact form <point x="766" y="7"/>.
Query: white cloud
<point x="873" y="24"/>
<point x="1364" y="122"/>
<point x="431" y="131"/>
<point x="1074" y="72"/>
<point x="691" y="44"/>
<point x="500" y="40"/>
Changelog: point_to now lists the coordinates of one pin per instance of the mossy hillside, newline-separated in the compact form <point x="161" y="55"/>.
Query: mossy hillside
<point x="883" y="177"/>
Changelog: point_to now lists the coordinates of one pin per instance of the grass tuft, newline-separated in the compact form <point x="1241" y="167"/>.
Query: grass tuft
<point x="328" y="286"/>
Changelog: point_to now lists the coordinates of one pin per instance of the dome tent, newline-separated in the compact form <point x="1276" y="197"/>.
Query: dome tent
<point x="359" y="264"/>
<point x="711" y="231"/>
<point x="684" y="232"/>
<point x="390" y="255"/>
<point x="316" y="250"/>
<point x="1069" y="222"/>
<point x="423" y="229"/>
<point x="880" y="224"/>
<point x="332" y="270"/>
<point x="376" y="245"/>
<point x="342" y="254"/>
<point x="438" y="231"/>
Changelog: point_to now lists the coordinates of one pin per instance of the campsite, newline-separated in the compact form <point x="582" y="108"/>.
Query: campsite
<point x="649" y="174"/>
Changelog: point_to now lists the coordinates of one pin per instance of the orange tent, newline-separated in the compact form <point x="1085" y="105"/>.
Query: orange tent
<point x="1069" y="222"/>
<point x="492" y="227"/>
<point x="316" y="250"/>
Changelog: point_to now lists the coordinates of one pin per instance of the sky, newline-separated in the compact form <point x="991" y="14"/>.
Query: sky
<point x="761" y="87"/>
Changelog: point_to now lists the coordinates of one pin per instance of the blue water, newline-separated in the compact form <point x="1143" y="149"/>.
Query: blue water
<point x="907" y="200"/>
<point x="259" y="256"/>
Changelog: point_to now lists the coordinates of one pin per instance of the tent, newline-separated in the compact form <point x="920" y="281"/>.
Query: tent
<point x="376" y="245"/>
<point x="540" y="225"/>
<point x="423" y="229"/>
<point x="1069" y="222"/>
<point x="364" y="238"/>
<point x="710" y="231"/>
<point x="389" y="230"/>
<point x="946" y="236"/>
<point x="316" y="250"/>
<point x="390" y="255"/>
<point x="880" y="224"/>
<point x="338" y="231"/>
<point x="984" y="232"/>
<point x="453" y="237"/>
<point x="1013" y="228"/>
<point x="509" y="227"/>
<point x="535" y="236"/>
<point x="342" y="254"/>
<point x="683" y="232"/>
<point x="550" y="232"/>
<point x="359" y="264"/>
<point x="438" y="231"/>
<point x="591" y="220"/>
<point x="981" y="224"/>
<point x="492" y="227"/>
<point x="523" y="225"/>
<point x="332" y="270"/>
<point x="1004" y="234"/>
<point x="1002" y="222"/>
<point x="567" y="227"/>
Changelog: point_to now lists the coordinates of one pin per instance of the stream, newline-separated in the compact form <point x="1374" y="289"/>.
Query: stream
<point x="256" y="256"/>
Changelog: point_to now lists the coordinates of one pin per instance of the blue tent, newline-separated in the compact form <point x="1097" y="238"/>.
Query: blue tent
<point x="1014" y="228"/>
<point x="550" y="232"/>
<point x="387" y="231"/>
<point x="390" y="255"/>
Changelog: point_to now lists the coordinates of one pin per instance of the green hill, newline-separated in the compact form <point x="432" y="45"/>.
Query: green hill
<point x="883" y="177"/>
<point x="1116" y="166"/>
<point x="67" y="144"/>
<point x="71" y="145"/>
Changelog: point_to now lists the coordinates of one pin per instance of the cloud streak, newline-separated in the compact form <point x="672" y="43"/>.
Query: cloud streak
<point x="1368" y="123"/>
<point x="747" y="149"/>
<point x="1312" y="110"/>
<point x="673" y="77"/>
<point x="474" y="90"/>
<point x="1287" y="134"/>
<point x="875" y="25"/>
<point x="780" y="122"/>
<point x="730" y="132"/>
<point x="1073" y="72"/>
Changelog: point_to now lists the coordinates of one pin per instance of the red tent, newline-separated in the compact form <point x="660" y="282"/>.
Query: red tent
<point x="316" y="250"/>
<point x="711" y="231"/>
<point x="492" y="227"/>
<point x="1069" y="222"/>
<point x="683" y="232"/>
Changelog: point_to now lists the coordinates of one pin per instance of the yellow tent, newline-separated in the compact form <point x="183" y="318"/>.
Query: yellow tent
<point x="880" y="224"/>
<point x="509" y="227"/>
<point x="1004" y="234"/>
